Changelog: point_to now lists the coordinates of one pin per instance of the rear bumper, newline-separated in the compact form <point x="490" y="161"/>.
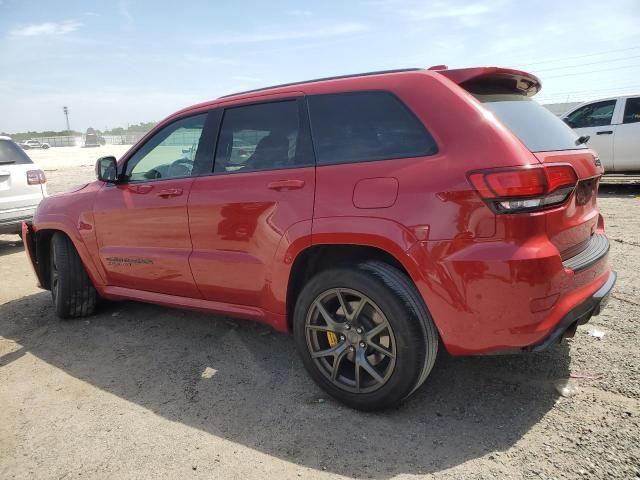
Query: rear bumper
<point x="579" y="315"/>
<point x="503" y="297"/>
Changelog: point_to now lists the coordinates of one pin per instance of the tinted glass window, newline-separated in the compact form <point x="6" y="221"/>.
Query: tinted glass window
<point x="632" y="110"/>
<point x="12" y="153"/>
<point x="535" y="126"/>
<point x="260" y="137"/>
<point x="170" y="153"/>
<point x="596" y="114"/>
<point x="361" y="126"/>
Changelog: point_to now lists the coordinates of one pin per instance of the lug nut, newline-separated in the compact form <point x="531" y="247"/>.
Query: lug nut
<point x="347" y="327"/>
<point x="362" y="344"/>
<point x="359" y="330"/>
<point x="352" y="348"/>
<point x="342" y="337"/>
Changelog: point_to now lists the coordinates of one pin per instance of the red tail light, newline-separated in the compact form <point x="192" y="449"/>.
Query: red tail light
<point x="525" y="189"/>
<point x="36" y="177"/>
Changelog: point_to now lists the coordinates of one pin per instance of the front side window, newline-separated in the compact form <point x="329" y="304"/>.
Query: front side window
<point x="363" y="126"/>
<point x="170" y="153"/>
<point x="632" y="110"/>
<point x="260" y="137"/>
<point x="597" y="114"/>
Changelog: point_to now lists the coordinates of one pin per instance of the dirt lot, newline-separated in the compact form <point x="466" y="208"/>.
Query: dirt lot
<point x="139" y="391"/>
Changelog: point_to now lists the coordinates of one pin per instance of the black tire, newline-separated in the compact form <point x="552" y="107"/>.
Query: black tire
<point x="394" y="297"/>
<point x="72" y="292"/>
<point x="45" y="147"/>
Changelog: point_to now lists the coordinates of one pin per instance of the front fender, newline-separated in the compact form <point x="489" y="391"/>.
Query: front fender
<point x="72" y="214"/>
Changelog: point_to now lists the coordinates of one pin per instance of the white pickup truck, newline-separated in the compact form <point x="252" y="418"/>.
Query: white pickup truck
<point x="613" y="125"/>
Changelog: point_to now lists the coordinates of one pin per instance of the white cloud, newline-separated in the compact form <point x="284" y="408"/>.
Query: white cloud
<point x="124" y="9"/>
<point x="336" y="30"/>
<point x="446" y="10"/>
<point x="47" y="28"/>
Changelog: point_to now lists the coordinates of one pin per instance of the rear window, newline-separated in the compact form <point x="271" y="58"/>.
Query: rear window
<point x="535" y="126"/>
<point x="363" y="126"/>
<point x="10" y="153"/>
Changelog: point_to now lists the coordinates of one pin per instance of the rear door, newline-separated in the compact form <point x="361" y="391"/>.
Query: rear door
<point x="142" y="226"/>
<point x="626" y="143"/>
<point x="595" y="120"/>
<point x="262" y="185"/>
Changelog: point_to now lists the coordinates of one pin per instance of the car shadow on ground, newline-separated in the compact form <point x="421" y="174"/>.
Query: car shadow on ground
<point x="258" y="394"/>
<point x="10" y="244"/>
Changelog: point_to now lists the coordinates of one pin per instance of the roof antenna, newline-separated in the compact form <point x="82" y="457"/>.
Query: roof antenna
<point x="438" y="67"/>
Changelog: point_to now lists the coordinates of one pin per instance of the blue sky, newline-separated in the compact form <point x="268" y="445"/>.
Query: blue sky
<point x="127" y="61"/>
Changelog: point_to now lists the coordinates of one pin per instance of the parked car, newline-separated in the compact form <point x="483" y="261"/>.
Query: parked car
<point x="376" y="216"/>
<point x="22" y="187"/>
<point x="613" y="125"/>
<point x="34" y="144"/>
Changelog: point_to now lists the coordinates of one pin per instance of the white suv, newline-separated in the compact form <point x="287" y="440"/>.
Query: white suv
<point x="613" y="125"/>
<point x="22" y="186"/>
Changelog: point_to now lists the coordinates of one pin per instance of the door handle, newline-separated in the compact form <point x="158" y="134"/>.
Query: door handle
<point x="286" y="185"/>
<point x="170" y="192"/>
<point x="604" y="132"/>
<point x="142" y="189"/>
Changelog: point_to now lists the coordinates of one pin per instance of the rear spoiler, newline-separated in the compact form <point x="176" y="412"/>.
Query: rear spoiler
<point x="492" y="80"/>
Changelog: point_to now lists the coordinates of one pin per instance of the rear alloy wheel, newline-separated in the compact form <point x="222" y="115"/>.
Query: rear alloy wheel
<point x="364" y="335"/>
<point x="72" y="292"/>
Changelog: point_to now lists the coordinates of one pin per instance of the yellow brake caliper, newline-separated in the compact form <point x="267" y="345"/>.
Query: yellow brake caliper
<point x="333" y="339"/>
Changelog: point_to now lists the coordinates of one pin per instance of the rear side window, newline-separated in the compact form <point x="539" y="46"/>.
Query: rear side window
<point x="535" y="126"/>
<point x="10" y="153"/>
<point x="362" y="126"/>
<point x="632" y="111"/>
<point x="597" y="114"/>
<point x="264" y="136"/>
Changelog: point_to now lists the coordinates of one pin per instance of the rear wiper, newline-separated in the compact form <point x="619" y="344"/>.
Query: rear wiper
<point x="583" y="139"/>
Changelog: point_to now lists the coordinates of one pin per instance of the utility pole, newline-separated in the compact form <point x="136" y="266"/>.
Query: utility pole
<point x="66" y="114"/>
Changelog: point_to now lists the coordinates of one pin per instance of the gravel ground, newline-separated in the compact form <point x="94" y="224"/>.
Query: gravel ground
<point x="139" y="391"/>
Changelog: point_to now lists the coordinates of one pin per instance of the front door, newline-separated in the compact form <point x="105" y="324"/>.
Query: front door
<point x="595" y="120"/>
<point x="142" y="225"/>
<point x="262" y="186"/>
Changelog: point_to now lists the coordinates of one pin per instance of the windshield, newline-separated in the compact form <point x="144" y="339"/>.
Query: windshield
<point x="535" y="126"/>
<point x="12" y="153"/>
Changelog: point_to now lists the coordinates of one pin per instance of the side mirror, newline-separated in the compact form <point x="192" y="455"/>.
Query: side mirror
<point x="107" y="169"/>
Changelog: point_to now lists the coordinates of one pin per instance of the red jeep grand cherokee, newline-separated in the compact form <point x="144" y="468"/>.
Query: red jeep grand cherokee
<point x="373" y="215"/>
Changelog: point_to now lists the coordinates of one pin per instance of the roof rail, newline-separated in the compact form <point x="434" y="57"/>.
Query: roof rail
<point x="366" y="74"/>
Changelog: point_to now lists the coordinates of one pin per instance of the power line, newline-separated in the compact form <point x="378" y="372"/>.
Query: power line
<point x="578" y="56"/>
<point x="586" y="64"/>
<point x="624" y="87"/>
<point x="592" y="71"/>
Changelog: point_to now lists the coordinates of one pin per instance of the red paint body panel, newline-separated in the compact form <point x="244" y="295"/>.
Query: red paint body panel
<point x="228" y="243"/>
<point x="237" y="224"/>
<point x="143" y="238"/>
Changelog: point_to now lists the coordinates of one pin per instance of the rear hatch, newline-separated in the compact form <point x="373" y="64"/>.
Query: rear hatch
<point x="507" y="94"/>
